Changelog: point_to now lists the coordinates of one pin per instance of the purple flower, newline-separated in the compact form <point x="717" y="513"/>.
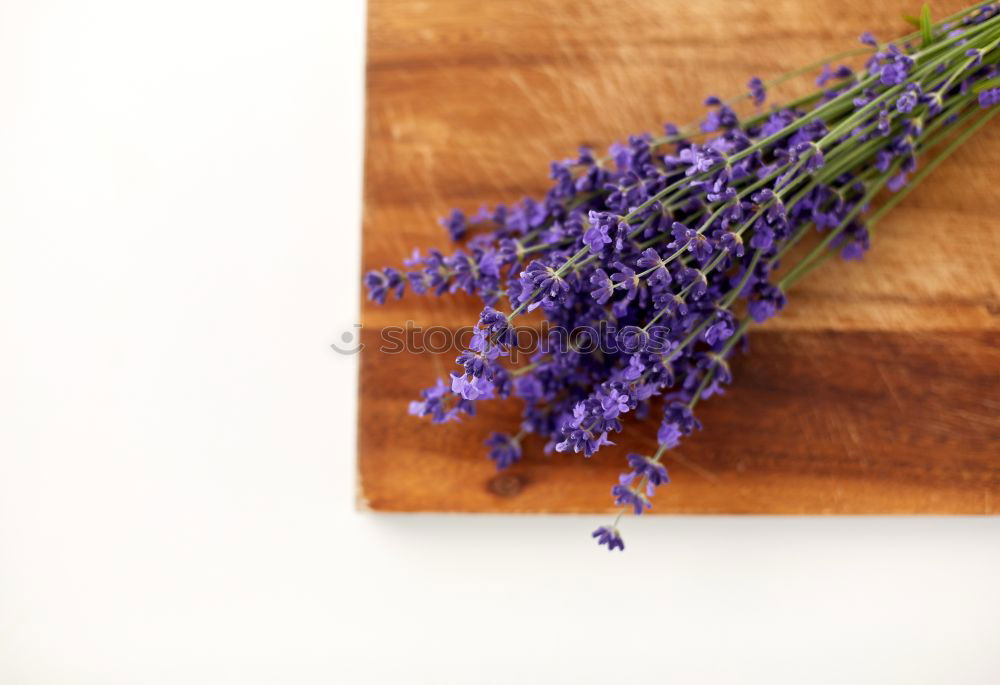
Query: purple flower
<point x="763" y="237"/>
<point x="698" y="159"/>
<point x="381" y="283"/>
<point x="632" y="339"/>
<point x="651" y="259"/>
<point x="695" y="281"/>
<point x="815" y="160"/>
<point x="603" y="288"/>
<point x="614" y="403"/>
<point x="856" y="246"/>
<point x="766" y="301"/>
<point x="827" y="74"/>
<point x="721" y="118"/>
<point x="471" y="387"/>
<point x="776" y="122"/>
<point x="668" y="435"/>
<point x="546" y="279"/>
<point x="465" y="272"/>
<point x="909" y="98"/>
<point x="883" y="160"/>
<point x="504" y="450"/>
<point x="701" y="247"/>
<point x="682" y="417"/>
<point x="455" y="224"/>
<point x="596" y="238"/>
<point x="895" y="72"/>
<point x="682" y="235"/>
<point x="437" y="403"/>
<point x="497" y="325"/>
<point x="636" y="262"/>
<point x="473" y="362"/>
<point x="626" y="497"/>
<point x="564" y="183"/>
<point x="884" y="124"/>
<point x="722" y="329"/>
<point x="609" y="535"/>
<point x="599" y="233"/>
<point x="757" y="91"/>
<point x="583" y="440"/>
<point x="645" y="467"/>
<point x="733" y="243"/>
<point x="625" y="277"/>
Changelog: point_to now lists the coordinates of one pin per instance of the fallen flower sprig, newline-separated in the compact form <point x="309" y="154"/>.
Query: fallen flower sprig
<point x="673" y="246"/>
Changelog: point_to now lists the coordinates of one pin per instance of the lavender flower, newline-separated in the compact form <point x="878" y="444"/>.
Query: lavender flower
<point x="609" y="535"/>
<point x="455" y="224"/>
<point x="381" y="283"/>
<point x="677" y="244"/>
<point x="504" y="449"/>
<point x="627" y="497"/>
<point x="644" y="467"/>
<point x="757" y="91"/>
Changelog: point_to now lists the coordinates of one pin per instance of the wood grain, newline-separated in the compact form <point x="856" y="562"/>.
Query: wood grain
<point x="876" y="391"/>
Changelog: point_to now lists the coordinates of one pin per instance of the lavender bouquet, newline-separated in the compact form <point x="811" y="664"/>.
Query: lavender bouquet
<point x="670" y="247"/>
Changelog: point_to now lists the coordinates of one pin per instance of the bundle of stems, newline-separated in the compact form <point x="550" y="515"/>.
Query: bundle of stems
<point x="667" y="250"/>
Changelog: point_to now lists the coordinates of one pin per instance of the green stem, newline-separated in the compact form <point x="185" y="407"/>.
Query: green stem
<point x="819" y="253"/>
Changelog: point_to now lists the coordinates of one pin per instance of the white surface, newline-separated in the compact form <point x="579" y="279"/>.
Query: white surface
<point x="179" y="212"/>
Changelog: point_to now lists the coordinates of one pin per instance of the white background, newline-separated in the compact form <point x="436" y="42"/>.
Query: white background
<point x="179" y="231"/>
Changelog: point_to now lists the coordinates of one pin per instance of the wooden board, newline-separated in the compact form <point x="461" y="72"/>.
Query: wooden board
<point x="876" y="391"/>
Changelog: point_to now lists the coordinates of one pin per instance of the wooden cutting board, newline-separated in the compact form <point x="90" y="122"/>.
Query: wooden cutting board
<point x="876" y="391"/>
